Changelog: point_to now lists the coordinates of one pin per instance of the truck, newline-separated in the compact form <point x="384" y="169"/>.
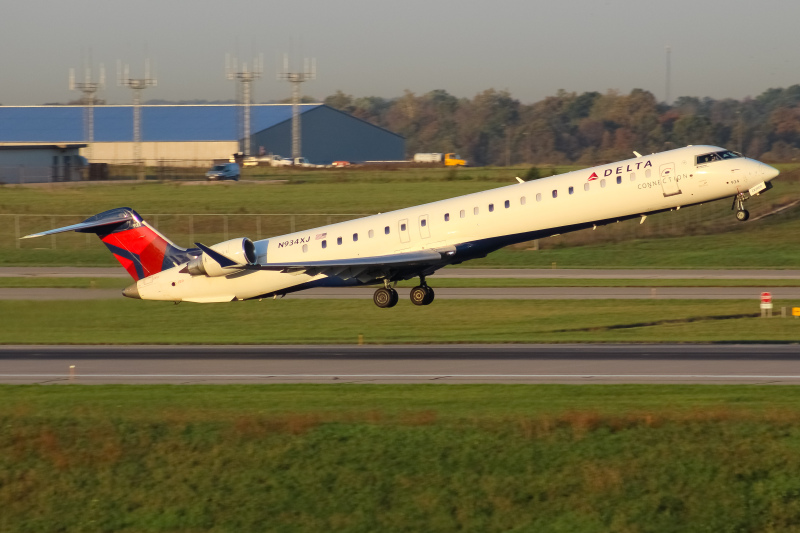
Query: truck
<point x="449" y="160"/>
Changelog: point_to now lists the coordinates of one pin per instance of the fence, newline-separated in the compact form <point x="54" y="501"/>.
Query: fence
<point x="186" y="229"/>
<point x="182" y="229"/>
<point x="21" y="174"/>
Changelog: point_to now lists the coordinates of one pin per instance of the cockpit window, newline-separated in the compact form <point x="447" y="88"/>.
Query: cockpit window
<point x="717" y="156"/>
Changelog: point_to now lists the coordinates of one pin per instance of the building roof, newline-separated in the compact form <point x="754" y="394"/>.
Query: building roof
<point x="162" y="123"/>
<point x="43" y="147"/>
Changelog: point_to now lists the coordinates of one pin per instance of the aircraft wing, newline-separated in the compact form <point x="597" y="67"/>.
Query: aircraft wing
<point x="363" y="268"/>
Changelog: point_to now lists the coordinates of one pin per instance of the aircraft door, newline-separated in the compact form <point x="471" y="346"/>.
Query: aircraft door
<point x="424" y="229"/>
<point x="669" y="180"/>
<point x="402" y="227"/>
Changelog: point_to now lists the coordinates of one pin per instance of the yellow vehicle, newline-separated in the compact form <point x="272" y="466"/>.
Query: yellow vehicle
<point x="454" y="160"/>
<point x="449" y="160"/>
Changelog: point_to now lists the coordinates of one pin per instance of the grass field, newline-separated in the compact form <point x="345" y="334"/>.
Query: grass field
<point x="399" y="458"/>
<point x="342" y="321"/>
<point x="121" y="283"/>
<point x="701" y="236"/>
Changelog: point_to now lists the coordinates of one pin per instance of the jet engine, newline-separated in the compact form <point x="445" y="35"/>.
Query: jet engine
<point x="240" y="251"/>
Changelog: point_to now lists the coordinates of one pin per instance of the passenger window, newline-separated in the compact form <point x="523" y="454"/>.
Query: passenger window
<point x="538" y="197"/>
<point x="423" y="222"/>
<point x="371" y="234"/>
<point x="619" y="180"/>
<point x="463" y="213"/>
<point x="586" y="186"/>
<point x="508" y="204"/>
<point x="355" y="237"/>
<point x="633" y="176"/>
<point x="602" y="183"/>
<point x="386" y="230"/>
<point x="402" y="227"/>
<point x="324" y="244"/>
<point x="491" y="208"/>
<point x="522" y="200"/>
<point x="571" y="190"/>
<point x="338" y="240"/>
<point x="555" y="193"/>
<point x="475" y="210"/>
<point x="647" y="173"/>
<point x="447" y="217"/>
<point x="305" y="248"/>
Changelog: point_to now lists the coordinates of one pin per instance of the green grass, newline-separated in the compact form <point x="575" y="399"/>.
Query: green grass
<point x="66" y="283"/>
<point x="399" y="458"/>
<point x="558" y="282"/>
<point x="759" y="245"/>
<point x="697" y="237"/>
<point x="342" y="321"/>
<point x="436" y="282"/>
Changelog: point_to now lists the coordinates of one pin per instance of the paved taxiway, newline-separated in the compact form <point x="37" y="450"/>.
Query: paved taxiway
<point x="525" y="273"/>
<point x="582" y="363"/>
<point x="476" y="293"/>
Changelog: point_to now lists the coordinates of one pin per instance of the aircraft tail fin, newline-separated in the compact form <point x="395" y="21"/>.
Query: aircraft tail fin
<point x="139" y="247"/>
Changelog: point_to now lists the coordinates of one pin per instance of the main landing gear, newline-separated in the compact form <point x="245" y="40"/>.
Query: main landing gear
<point x="422" y="294"/>
<point x="386" y="296"/>
<point x="742" y="214"/>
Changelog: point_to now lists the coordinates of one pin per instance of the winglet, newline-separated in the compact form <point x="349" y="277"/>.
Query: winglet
<point x="223" y="261"/>
<point x="637" y="154"/>
<point x="520" y="180"/>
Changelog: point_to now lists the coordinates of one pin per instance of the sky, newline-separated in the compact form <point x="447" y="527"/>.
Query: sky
<point x="720" y="49"/>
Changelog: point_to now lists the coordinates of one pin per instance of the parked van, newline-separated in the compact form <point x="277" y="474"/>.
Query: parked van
<point x="226" y="171"/>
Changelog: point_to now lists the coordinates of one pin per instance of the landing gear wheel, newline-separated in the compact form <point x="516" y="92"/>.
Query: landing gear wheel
<point x="385" y="297"/>
<point x="430" y="297"/>
<point x="742" y="215"/>
<point x="419" y="295"/>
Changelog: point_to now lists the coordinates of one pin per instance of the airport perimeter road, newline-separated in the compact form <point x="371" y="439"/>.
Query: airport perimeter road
<point x="582" y="363"/>
<point x="532" y="273"/>
<point x="494" y="293"/>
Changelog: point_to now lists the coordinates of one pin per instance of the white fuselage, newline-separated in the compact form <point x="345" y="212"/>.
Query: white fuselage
<point x="487" y="220"/>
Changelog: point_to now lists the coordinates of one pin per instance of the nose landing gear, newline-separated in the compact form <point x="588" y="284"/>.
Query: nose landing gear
<point x="742" y="214"/>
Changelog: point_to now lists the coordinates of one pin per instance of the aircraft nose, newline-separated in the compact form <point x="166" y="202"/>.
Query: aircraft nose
<point x="768" y="172"/>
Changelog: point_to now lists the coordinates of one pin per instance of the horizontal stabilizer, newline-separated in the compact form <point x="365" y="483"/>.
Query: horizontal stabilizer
<point x="98" y="222"/>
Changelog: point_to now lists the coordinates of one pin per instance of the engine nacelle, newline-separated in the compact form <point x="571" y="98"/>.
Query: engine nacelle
<point x="241" y="251"/>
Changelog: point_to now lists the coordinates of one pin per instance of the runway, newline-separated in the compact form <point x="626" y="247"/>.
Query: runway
<point x="474" y="293"/>
<point x="523" y="273"/>
<point x="509" y="364"/>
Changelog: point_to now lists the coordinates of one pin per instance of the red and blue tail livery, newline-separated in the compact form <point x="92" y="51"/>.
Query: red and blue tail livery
<point x="139" y="247"/>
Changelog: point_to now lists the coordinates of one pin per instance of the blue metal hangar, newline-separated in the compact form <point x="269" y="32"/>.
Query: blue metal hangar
<point x="199" y="134"/>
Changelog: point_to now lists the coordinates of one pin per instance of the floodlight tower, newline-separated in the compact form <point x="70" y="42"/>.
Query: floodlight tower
<point x="308" y="73"/>
<point x="138" y="85"/>
<point x="89" y="88"/>
<point x="669" y="74"/>
<point x="245" y="77"/>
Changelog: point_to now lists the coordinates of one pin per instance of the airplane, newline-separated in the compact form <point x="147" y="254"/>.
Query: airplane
<point x="417" y="241"/>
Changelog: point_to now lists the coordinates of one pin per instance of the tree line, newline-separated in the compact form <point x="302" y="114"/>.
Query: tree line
<point x="493" y="128"/>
